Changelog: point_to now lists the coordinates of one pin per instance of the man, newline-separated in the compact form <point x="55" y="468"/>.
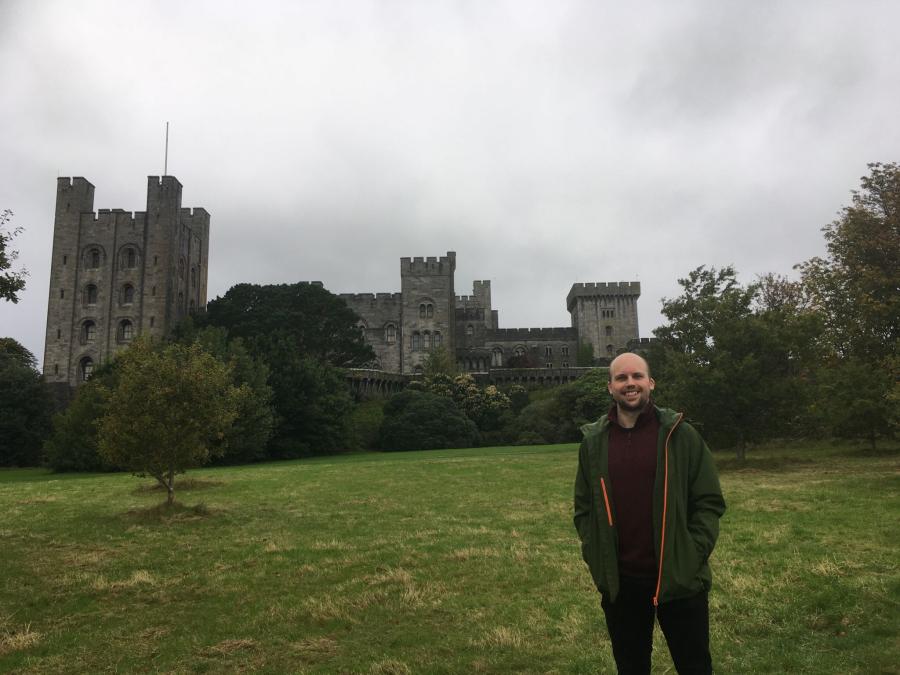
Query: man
<point x="647" y="509"/>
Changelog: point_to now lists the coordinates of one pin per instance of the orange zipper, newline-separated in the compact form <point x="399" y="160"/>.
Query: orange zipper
<point x="606" y="500"/>
<point x="662" y="536"/>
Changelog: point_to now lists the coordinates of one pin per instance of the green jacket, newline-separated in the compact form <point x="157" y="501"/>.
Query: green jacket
<point x="687" y="505"/>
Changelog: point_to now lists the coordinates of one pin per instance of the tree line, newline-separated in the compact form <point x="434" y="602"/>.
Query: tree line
<point x="260" y="376"/>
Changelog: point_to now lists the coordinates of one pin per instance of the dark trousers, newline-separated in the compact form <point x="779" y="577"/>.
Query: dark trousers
<point x="684" y="623"/>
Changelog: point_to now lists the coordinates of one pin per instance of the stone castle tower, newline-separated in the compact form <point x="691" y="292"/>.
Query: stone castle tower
<point x="116" y="274"/>
<point x="604" y="315"/>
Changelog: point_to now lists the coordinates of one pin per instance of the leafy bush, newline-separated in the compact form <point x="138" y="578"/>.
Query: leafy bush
<point x="365" y="424"/>
<point x="418" y="420"/>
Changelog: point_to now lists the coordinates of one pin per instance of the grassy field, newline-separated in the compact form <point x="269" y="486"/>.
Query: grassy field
<point x="434" y="562"/>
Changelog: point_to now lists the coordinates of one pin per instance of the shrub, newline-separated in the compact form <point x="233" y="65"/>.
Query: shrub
<point x="418" y="420"/>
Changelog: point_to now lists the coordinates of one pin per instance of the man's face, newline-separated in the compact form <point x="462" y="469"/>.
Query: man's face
<point x="629" y="383"/>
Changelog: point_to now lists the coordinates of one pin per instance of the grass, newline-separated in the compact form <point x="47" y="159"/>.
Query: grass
<point x="431" y="562"/>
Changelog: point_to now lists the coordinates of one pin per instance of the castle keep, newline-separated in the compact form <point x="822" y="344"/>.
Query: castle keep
<point x="403" y="327"/>
<point x="115" y="274"/>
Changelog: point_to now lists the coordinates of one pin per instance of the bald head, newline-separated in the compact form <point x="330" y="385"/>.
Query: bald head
<point x="631" y="361"/>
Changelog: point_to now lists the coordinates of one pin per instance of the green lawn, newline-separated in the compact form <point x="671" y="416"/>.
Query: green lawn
<point x="429" y="562"/>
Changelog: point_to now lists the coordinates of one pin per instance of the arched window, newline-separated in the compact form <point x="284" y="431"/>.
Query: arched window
<point x="127" y="294"/>
<point x="429" y="311"/>
<point x="361" y="327"/>
<point x="470" y="330"/>
<point x="88" y="332"/>
<point x="126" y="330"/>
<point x="608" y="331"/>
<point x="436" y="339"/>
<point x="129" y="258"/>
<point x="390" y="333"/>
<point x="497" y="357"/>
<point x="426" y="340"/>
<point x="89" y="297"/>
<point x="416" y="342"/>
<point x="519" y="351"/>
<point x="610" y="350"/>
<point x="85" y="368"/>
<point x="93" y="258"/>
<point x="422" y="311"/>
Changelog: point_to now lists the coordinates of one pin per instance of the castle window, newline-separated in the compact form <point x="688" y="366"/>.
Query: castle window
<point x="519" y="351"/>
<point x="390" y="333"/>
<point x="610" y="350"/>
<point x="58" y="333"/>
<point x="129" y="258"/>
<point x="549" y="365"/>
<point x="127" y="294"/>
<point x="429" y="311"/>
<point x="62" y="294"/>
<point x="86" y="368"/>
<point x="155" y="260"/>
<point x="65" y="259"/>
<point x="152" y="319"/>
<point x="436" y="339"/>
<point x="153" y="291"/>
<point x="180" y="307"/>
<point x="548" y="351"/>
<point x="607" y="313"/>
<point x="191" y="310"/>
<point x="181" y="269"/>
<point x="93" y="258"/>
<point x="608" y="331"/>
<point x="426" y="340"/>
<point x="564" y="351"/>
<point x="193" y="277"/>
<point x="565" y="364"/>
<point x="422" y="311"/>
<point x="56" y="369"/>
<point x="89" y="297"/>
<point x="497" y="357"/>
<point x="126" y="331"/>
<point x="418" y="370"/>
<point x="470" y="330"/>
<point x="416" y="342"/>
<point x="88" y="332"/>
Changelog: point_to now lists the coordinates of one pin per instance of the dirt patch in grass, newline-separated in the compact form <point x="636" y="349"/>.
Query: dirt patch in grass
<point x="228" y="647"/>
<point x="166" y="513"/>
<point x="181" y="485"/>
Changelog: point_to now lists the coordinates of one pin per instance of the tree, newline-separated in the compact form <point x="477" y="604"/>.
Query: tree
<point x="170" y="410"/>
<point x="11" y="282"/>
<point x="319" y="323"/>
<point x="25" y="406"/>
<point x="856" y="288"/>
<point x="439" y="362"/>
<point x="736" y="370"/>
<point x="857" y="285"/>
<point x="420" y="420"/>
<point x="246" y="439"/>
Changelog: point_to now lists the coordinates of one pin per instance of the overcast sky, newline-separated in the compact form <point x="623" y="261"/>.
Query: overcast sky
<point x="544" y="142"/>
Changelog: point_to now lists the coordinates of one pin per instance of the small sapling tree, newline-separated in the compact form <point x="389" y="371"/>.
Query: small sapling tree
<point x="166" y="413"/>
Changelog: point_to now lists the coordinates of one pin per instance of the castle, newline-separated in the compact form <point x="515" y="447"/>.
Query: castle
<point x="115" y="274"/>
<point x="403" y="327"/>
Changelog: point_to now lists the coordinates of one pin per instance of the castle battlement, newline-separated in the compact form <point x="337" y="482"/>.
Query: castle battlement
<point x="430" y="265"/>
<point x="529" y="334"/>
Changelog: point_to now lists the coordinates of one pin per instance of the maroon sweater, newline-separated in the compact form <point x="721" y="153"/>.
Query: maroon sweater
<point x="632" y="470"/>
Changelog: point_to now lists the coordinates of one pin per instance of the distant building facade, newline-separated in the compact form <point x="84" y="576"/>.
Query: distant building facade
<point x="404" y="327"/>
<point x="115" y="274"/>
